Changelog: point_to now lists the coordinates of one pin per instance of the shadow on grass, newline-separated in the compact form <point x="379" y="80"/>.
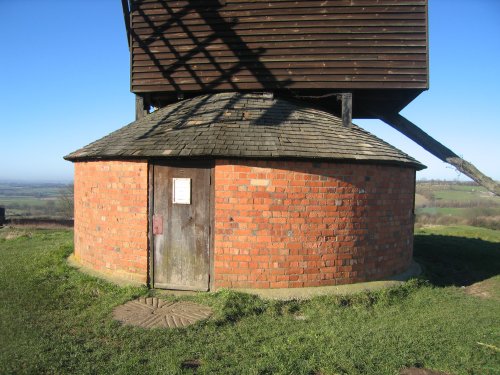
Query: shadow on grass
<point x="459" y="261"/>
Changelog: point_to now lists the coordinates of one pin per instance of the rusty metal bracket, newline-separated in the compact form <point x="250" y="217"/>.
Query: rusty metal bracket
<point x="157" y="224"/>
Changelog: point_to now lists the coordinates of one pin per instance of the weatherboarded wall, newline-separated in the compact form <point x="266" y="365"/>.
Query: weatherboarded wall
<point x="111" y="200"/>
<point x="299" y="224"/>
<point x="278" y="44"/>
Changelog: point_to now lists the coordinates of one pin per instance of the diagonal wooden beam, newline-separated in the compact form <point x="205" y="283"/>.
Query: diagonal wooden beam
<point x="436" y="148"/>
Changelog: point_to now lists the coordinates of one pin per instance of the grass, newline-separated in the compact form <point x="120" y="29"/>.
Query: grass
<point x="461" y="231"/>
<point x="57" y="320"/>
<point x="458" y="255"/>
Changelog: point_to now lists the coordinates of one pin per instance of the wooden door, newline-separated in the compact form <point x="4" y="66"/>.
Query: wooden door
<point x="181" y="227"/>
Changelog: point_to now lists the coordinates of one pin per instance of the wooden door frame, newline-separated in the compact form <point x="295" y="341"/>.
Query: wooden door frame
<point x="179" y="163"/>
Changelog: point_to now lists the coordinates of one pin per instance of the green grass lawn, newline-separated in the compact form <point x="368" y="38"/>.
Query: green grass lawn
<point x="462" y="232"/>
<point x="57" y="320"/>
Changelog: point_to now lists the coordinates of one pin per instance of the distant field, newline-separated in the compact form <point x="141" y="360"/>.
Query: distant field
<point x="450" y="190"/>
<point x="439" y="202"/>
<point x="31" y="201"/>
<point x="464" y="195"/>
<point x="462" y="212"/>
<point x="443" y="211"/>
<point x="26" y="189"/>
<point x="420" y="200"/>
<point x="36" y="200"/>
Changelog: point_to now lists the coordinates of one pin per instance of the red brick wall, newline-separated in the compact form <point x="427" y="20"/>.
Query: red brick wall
<point x="298" y="224"/>
<point x="111" y="223"/>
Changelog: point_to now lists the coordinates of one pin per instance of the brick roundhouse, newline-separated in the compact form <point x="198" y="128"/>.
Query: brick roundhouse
<point x="281" y="195"/>
<point x="243" y="168"/>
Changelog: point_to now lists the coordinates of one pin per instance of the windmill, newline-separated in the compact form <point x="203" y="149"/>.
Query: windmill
<point x="243" y="168"/>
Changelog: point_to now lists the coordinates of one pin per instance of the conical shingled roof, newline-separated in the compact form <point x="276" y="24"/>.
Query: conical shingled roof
<point x="245" y="126"/>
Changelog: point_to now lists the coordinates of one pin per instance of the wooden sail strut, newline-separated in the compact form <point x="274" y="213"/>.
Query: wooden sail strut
<point x="443" y="153"/>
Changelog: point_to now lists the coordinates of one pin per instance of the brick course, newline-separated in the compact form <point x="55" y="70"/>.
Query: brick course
<point x="111" y="200"/>
<point x="300" y="224"/>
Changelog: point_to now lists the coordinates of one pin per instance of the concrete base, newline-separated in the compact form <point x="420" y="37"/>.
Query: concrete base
<point x="305" y="293"/>
<point x="275" y="294"/>
<point x="115" y="278"/>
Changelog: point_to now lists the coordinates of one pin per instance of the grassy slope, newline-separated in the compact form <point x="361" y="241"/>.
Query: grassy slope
<point x="461" y="231"/>
<point x="57" y="320"/>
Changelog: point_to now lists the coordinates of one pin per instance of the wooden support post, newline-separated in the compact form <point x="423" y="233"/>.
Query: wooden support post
<point x="141" y="107"/>
<point x="443" y="153"/>
<point x="2" y="216"/>
<point x="346" y="108"/>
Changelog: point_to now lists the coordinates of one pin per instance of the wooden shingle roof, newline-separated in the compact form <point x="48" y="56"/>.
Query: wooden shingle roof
<point x="243" y="126"/>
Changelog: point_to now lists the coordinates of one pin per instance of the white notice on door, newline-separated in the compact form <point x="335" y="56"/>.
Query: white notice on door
<point x="181" y="190"/>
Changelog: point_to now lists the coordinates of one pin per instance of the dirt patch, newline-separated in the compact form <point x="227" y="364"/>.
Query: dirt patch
<point x="191" y="364"/>
<point x="484" y="289"/>
<point x="11" y="234"/>
<point x="421" y="200"/>
<point x="421" y="371"/>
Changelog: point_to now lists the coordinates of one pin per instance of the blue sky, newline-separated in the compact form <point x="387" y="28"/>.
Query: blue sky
<point x="64" y="79"/>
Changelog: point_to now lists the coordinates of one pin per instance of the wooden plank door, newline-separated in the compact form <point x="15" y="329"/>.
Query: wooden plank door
<point x="181" y="227"/>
